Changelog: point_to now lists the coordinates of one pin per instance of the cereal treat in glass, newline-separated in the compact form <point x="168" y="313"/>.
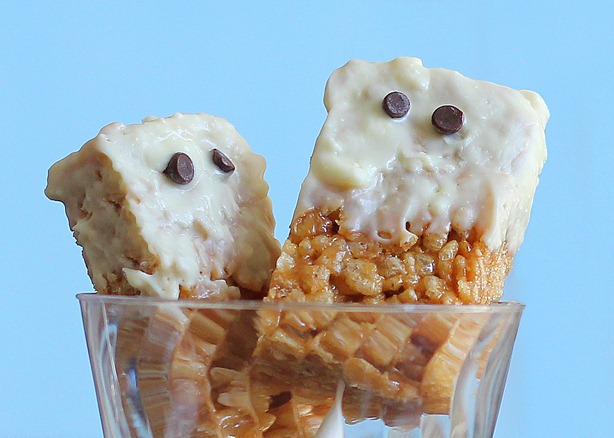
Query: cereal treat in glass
<point x="419" y="191"/>
<point x="176" y="208"/>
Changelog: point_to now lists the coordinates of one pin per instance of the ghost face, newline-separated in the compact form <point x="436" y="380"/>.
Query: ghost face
<point x="404" y="146"/>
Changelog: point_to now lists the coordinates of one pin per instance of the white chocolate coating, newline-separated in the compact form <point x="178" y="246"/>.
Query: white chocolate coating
<point x="392" y="174"/>
<point x="201" y="234"/>
<point x="332" y="425"/>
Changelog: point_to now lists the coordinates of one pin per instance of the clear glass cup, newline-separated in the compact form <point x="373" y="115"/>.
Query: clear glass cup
<point x="253" y="369"/>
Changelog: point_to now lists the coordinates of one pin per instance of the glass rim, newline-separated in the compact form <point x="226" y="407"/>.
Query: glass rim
<point x="125" y="300"/>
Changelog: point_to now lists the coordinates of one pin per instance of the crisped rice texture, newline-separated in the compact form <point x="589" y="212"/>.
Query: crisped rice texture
<point x="403" y="365"/>
<point x="318" y="263"/>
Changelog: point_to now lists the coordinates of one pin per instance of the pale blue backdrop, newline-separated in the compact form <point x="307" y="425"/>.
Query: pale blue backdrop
<point x="68" y="68"/>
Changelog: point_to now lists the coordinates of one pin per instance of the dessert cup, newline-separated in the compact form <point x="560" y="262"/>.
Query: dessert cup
<point x="186" y="368"/>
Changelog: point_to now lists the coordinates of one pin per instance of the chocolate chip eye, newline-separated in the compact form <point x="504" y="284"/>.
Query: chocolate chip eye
<point x="447" y="119"/>
<point x="180" y="168"/>
<point x="396" y="104"/>
<point x="222" y="161"/>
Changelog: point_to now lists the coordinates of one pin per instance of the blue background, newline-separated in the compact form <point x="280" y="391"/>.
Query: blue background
<point x="67" y="69"/>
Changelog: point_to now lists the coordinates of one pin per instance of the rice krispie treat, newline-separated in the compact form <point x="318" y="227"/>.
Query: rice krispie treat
<point x="173" y="207"/>
<point x="419" y="191"/>
<point x="176" y="207"/>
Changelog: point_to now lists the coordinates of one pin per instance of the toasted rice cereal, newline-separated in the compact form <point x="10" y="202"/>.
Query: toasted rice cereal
<point x="321" y="264"/>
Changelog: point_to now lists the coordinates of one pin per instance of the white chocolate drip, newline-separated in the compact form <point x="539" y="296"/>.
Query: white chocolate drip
<point x="332" y="426"/>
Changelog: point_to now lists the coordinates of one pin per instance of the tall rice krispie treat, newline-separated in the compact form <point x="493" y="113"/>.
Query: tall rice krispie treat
<point x="419" y="190"/>
<point x="173" y="207"/>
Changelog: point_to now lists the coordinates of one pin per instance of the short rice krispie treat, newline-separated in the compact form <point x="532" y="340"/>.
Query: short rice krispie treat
<point x="176" y="207"/>
<point x="172" y="207"/>
<point x="419" y="191"/>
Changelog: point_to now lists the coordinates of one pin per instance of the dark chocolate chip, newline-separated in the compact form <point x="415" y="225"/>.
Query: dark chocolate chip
<point x="180" y="168"/>
<point x="280" y="399"/>
<point x="396" y="104"/>
<point x="222" y="161"/>
<point x="447" y="119"/>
